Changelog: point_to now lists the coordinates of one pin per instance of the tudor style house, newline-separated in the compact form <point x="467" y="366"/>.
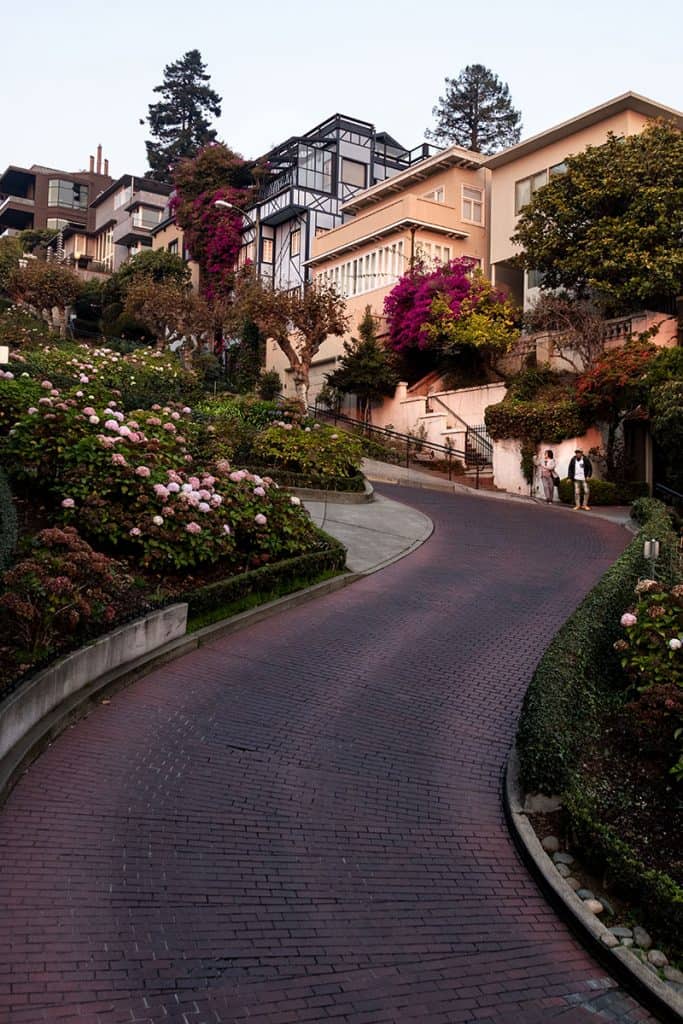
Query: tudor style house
<point x="310" y="179"/>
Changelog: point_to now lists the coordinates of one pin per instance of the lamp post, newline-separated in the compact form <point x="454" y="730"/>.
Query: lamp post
<point x="255" y="223"/>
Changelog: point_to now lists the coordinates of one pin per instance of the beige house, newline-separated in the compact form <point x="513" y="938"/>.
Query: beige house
<point x="518" y="172"/>
<point x="435" y="210"/>
<point x="167" y="235"/>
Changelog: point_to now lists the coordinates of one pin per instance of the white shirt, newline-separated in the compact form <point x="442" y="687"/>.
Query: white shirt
<point x="579" y="473"/>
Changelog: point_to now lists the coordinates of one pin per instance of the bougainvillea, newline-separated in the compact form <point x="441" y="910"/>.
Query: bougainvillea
<point x="212" y="233"/>
<point x="447" y="306"/>
<point x="614" y="382"/>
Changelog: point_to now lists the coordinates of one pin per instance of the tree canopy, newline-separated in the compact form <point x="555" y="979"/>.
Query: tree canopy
<point x="298" y="321"/>
<point x="180" y="122"/>
<point x="476" y="112"/>
<point x="610" y="228"/>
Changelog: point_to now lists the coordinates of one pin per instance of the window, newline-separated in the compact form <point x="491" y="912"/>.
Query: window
<point x="437" y="195"/>
<point x="353" y="173"/>
<point x="525" y="188"/>
<point x="56" y="223"/>
<point x="472" y="204"/>
<point x="534" y="278"/>
<point x="104" y="248"/>
<point x="173" y="247"/>
<point x="435" y="254"/>
<point x="267" y="250"/>
<point x="557" y="169"/>
<point x="315" y="168"/>
<point x="295" y="242"/>
<point x="122" y="197"/>
<point x="377" y="269"/>
<point x="146" y="217"/>
<point x="67" y="193"/>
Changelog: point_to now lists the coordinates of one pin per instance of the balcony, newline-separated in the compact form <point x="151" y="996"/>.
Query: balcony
<point x="132" y="230"/>
<point x="393" y="219"/>
<point x="16" y="212"/>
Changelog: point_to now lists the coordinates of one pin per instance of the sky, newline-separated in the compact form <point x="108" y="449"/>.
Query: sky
<point x="73" y="75"/>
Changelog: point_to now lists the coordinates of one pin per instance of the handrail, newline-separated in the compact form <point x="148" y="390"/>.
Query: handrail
<point x="669" y="495"/>
<point x="447" y="452"/>
<point x="435" y="398"/>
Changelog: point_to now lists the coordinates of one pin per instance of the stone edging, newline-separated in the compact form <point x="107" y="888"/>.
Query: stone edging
<point x="646" y="986"/>
<point x="20" y="748"/>
<point x="335" y="497"/>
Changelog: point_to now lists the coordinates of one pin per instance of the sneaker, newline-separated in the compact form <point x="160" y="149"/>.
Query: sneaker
<point x="586" y="508"/>
<point x="577" y="508"/>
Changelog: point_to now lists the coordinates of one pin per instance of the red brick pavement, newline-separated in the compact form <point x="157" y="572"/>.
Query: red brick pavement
<point x="302" y="822"/>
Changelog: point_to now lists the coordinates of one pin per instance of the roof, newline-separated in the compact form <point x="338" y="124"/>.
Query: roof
<point x="627" y="101"/>
<point x="454" y="156"/>
<point x="139" y="184"/>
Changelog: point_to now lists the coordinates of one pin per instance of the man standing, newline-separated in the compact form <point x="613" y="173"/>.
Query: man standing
<point x="580" y="471"/>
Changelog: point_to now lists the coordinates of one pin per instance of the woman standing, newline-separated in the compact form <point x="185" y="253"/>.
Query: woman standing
<point x="546" y="466"/>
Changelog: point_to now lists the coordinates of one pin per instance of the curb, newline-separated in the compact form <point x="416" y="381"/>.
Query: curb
<point x="336" y="497"/>
<point x="645" y="986"/>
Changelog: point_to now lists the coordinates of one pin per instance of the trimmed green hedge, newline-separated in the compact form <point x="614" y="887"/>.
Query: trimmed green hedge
<point x="8" y="524"/>
<point x="534" y="420"/>
<point x="659" y="898"/>
<point x="573" y="685"/>
<point x="565" y="690"/>
<point x="267" y="578"/>
<point x="286" y="478"/>
<point x="604" y="492"/>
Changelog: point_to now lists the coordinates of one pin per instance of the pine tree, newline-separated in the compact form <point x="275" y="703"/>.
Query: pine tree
<point x="366" y="368"/>
<point x="179" y="123"/>
<point x="476" y="112"/>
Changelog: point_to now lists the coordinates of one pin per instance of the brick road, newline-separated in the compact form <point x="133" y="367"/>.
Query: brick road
<point x="302" y="822"/>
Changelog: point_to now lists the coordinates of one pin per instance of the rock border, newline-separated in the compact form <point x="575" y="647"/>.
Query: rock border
<point x="649" y="989"/>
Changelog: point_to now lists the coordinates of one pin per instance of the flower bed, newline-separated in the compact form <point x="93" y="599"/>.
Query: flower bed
<point x="576" y="738"/>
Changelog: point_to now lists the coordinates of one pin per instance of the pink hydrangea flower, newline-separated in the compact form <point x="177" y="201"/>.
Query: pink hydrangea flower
<point x="193" y="528"/>
<point x="208" y="481"/>
<point x="133" y="425"/>
<point x="119" y="416"/>
<point x="161" y="491"/>
<point x="223" y="466"/>
<point x="194" y="482"/>
<point x="135" y="532"/>
<point x="79" y="394"/>
<point x="68" y="503"/>
<point x="187" y="410"/>
<point x="294" y="500"/>
<point x="88" y="411"/>
<point x="627" y="619"/>
<point x="226" y="528"/>
<point x="175" y="415"/>
<point x="93" y="419"/>
<point x="158" y="520"/>
<point x="259" y="492"/>
<point x="675" y="644"/>
<point x="47" y="384"/>
<point x="32" y="411"/>
<point x="173" y="487"/>
<point x="55" y="393"/>
<point x="112" y="425"/>
<point x="156" y="406"/>
<point x="203" y="506"/>
<point x="118" y="460"/>
<point x="216" y="500"/>
<point x="260" y="519"/>
<point x="153" y="421"/>
<point x="170" y="427"/>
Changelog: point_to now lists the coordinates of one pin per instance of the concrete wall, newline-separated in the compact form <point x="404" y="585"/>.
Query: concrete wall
<point x="25" y="708"/>
<point x="440" y="412"/>
<point x="507" y="472"/>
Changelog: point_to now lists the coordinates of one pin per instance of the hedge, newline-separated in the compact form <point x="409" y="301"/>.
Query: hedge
<point x="286" y="478"/>
<point x="8" y="524"/>
<point x="604" y="492"/>
<point x="534" y="420"/>
<point x="659" y="898"/>
<point x="580" y="665"/>
<point x="267" y="578"/>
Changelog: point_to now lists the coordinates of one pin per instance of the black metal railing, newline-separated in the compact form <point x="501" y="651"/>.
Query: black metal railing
<point x="409" y="447"/>
<point x="668" y="495"/>
<point x="479" y="445"/>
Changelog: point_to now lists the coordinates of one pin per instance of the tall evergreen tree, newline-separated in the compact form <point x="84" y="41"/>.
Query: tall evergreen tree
<point x="366" y="369"/>
<point x="179" y="122"/>
<point x="476" y="112"/>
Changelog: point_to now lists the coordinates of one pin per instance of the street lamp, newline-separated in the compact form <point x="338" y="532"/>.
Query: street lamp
<point x="254" y="223"/>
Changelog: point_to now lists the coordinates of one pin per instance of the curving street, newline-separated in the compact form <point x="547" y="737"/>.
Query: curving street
<point x="302" y="821"/>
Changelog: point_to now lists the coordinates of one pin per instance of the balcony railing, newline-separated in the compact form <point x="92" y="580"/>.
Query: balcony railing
<point x="277" y="185"/>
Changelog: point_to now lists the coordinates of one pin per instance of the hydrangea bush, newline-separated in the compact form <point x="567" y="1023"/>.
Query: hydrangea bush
<point x="312" y="450"/>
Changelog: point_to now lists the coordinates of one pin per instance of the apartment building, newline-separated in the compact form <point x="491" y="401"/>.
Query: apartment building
<point x="47" y="198"/>
<point x="123" y="217"/>
<point x="518" y="172"/>
<point x="434" y="210"/>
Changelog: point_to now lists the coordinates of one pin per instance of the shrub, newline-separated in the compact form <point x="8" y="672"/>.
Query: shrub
<point x="8" y="523"/>
<point x="604" y="492"/>
<point x="61" y="588"/>
<point x="318" y="452"/>
<point x="269" y="385"/>
<point x="534" y="421"/>
<point x="651" y="652"/>
<point x="17" y="396"/>
<point x="651" y="721"/>
<point x="579" y="665"/>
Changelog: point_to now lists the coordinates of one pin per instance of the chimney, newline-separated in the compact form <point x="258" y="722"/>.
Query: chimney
<point x="106" y="166"/>
<point x="92" y="164"/>
<point x="99" y="159"/>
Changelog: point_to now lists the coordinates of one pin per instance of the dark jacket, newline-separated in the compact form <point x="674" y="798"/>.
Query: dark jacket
<point x="587" y="467"/>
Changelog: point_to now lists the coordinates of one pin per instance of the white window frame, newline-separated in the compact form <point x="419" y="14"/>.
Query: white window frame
<point x="473" y="203"/>
<point x="532" y="189"/>
<point x="437" y="195"/>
